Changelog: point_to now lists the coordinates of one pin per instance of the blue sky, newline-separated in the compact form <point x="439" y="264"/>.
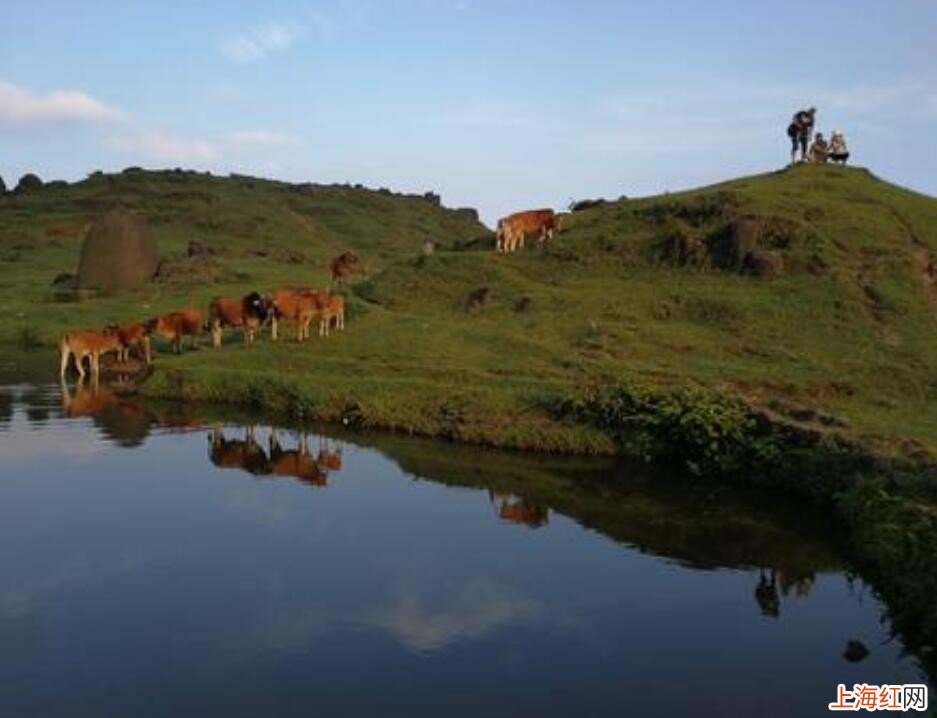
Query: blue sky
<point x="498" y="104"/>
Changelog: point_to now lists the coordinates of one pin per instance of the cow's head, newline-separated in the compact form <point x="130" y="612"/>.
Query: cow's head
<point x="257" y="305"/>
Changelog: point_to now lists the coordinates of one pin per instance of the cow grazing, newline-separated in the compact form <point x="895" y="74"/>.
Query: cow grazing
<point x="134" y="336"/>
<point x="248" y="313"/>
<point x="298" y="462"/>
<point x="513" y="229"/>
<point x="332" y="308"/>
<point x="299" y="304"/>
<point x="176" y="325"/>
<point x="90" y="344"/>
<point x="344" y="265"/>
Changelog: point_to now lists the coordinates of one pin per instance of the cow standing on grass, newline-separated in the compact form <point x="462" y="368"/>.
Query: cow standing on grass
<point x="513" y="229"/>
<point x="177" y="325"/>
<point x="344" y="265"/>
<point x="248" y="313"/>
<point x="299" y="304"/>
<point x="90" y="344"/>
<point x="134" y="336"/>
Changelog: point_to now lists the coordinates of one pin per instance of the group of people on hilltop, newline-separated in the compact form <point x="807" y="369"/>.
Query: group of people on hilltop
<point x="800" y="132"/>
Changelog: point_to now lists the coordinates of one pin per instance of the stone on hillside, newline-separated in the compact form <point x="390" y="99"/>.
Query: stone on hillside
<point x="118" y="252"/>
<point x="27" y="183"/>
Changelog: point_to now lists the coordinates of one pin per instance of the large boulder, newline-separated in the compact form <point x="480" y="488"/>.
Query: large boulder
<point x="119" y="252"/>
<point x="28" y="183"/>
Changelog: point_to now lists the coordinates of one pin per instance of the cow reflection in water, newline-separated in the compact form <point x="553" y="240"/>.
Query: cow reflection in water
<point x="120" y="418"/>
<point x="248" y="455"/>
<point x="517" y="510"/>
<point x="767" y="595"/>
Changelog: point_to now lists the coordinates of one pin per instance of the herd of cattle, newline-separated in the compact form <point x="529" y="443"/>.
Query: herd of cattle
<point x="248" y="313"/>
<point x="252" y="311"/>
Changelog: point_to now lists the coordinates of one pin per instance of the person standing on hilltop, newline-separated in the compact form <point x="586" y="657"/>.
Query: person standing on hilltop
<point x="800" y="131"/>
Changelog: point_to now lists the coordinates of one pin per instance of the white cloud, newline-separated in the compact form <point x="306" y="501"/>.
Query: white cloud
<point x="260" y="137"/>
<point x="478" y="608"/>
<point x="259" y="42"/>
<point x="22" y="106"/>
<point x="165" y="147"/>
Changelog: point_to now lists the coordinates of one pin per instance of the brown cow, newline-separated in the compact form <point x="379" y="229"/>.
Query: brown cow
<point x="90" y="343"/>
<point x="343" y="265"/>
<point x="332" y="308"/>
<point x="513" y="229"/>
<point x="297" y="463"/>
<point x="248" y="312"/>
<point x="299" y="304"/>
<point x="134" y="336"/>
<point x="176" y="325"/>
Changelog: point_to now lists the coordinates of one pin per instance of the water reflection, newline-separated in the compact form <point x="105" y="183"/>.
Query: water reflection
<point x="298" y="462"/>
<point x="424" y="565"/>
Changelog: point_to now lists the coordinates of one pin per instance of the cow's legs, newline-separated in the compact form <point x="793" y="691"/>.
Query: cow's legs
<point x="80" y="364"/>
<point x="273" y="328"/>
<point x="216" y="334"/>
<point x="63" y="364"/>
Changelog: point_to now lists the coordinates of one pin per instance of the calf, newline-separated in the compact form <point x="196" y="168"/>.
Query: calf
<point x="332" y="308"/>
<point x="299" y="304"/>
<point x="134" y="336"/>
<point x="90" y="343"/>
<point x="176" y="325"/>
<point x="248" y="313"/>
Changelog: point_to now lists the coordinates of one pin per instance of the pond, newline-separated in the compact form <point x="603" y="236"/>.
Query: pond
<point x="162" y="560"/>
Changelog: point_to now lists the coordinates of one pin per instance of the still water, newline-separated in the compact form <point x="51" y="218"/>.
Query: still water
<point x="155" y="562"/>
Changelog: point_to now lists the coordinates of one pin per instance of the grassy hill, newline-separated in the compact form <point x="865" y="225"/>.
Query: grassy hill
<point x="810" y="293"/>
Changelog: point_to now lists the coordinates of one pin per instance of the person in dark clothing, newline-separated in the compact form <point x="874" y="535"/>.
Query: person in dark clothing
<point x="800" y="131"/>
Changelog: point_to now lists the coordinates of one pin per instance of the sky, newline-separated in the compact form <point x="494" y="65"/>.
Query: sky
<point x="496" y="104"/>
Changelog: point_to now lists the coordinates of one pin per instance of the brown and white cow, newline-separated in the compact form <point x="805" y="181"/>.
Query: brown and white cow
<point x="176" y="325"/>
<point x="299" y="304"/>
<point x="248" y="313"/>
<point x="90" y="344"/>
<point x="513" y="229"/>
